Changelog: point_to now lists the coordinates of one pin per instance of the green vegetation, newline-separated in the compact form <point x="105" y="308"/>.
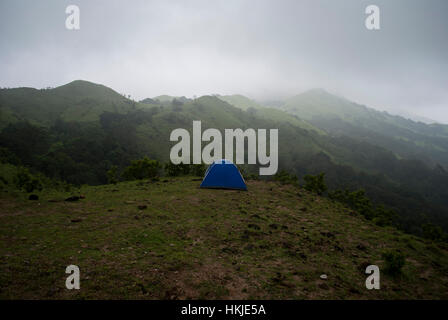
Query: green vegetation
<point x="286" y="178"/>
<point x="198" y="169"/>
<point x="26" y="181"/>
<point x="174" y="170"/>
<point x="171" y="240"/>
<point x="112" y="175"/>
<point x="142" y="169"/>
<point x="394" y="263"/>
<point x="77" y="132"/>
<point x="315" y="184"/>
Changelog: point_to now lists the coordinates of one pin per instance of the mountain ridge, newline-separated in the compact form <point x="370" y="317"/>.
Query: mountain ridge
<point x="77" y="139"/>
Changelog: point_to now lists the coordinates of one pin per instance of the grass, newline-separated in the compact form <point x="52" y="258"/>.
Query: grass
<point x="272" y="242"/>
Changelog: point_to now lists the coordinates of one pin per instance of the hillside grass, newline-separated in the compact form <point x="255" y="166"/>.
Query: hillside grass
<point x="272" y="242"/>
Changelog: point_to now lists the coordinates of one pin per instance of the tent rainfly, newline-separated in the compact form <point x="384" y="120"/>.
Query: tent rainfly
<point x="223" y="174"/>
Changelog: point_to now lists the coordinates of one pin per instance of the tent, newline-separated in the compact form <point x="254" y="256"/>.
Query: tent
<point x="223" y="174"/>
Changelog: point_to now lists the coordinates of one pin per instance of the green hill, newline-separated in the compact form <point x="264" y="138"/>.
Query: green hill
<point x="79" y="100"/>
<point x="78" y="131"/>
<point x="240" y="101"/>
<point x="339" y="116"/>
<point x="172" y="240"/>
<point x="273" y="114"/>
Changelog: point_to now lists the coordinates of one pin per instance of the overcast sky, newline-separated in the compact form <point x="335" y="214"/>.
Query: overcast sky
<point x="262" y="49"/>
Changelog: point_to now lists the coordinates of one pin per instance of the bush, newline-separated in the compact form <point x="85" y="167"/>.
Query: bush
<point x="174" y="170"/>
<point x="356" y="200"/>
<point x="112" y="175"/>
<point x="142" y="169"/>
<point x="383" y="216"/>
<point x="285" y="178"/>
<point x="7" y="156"/>
<point x="434" y="233"/>
<point x="315" y="184"/>
<point x="394" y="262"/>
<point x="198" y="169"/>
<point x="24" y="180"/>
<point x="252" y="176"/>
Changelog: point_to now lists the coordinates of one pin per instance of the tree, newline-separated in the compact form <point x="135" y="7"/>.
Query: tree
<point x="174" y="170"/>
<point x="112" y="175"/>
<point x="394" y="263"/>
<point x="285" y="178"/>
<point x="26" y="181"/>
<point x="142" y="169"/>
<point x="315" y="184"/>
<point x="433" y="232"/>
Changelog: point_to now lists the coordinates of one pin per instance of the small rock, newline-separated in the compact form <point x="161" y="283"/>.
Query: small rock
<point x="33" y="197"/>
<point x="323" y="276"/>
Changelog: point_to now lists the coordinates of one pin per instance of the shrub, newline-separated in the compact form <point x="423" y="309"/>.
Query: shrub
<point x="394" y="262"/>
<point x="112" y="175"/>
<point x="433" y="232"/>
<point x="26" y="181"/>
<point x="285" y="178"/>
<point x="7" y="156"/>
<point x="383" y="216"/>
<point x="198" y="169"/>
<point x="315" y="184"/>
<point x="252" y="176"/>
<point x="142" y="169"/>
<point x="356" y="200"/>
<point x="174" y="170"/>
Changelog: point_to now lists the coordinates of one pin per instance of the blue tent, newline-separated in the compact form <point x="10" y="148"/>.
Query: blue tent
<point x="223" y="174"/>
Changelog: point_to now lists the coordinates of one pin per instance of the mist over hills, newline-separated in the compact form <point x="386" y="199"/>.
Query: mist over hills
<point x="77" y="131"/>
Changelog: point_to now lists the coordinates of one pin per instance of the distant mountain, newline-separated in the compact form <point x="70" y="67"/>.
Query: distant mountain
<point x="149" y="101"/>
<point x="240" y="101"/>
<point x="339" y="116"/>
<point x="76" y="101"/>
<point x="411" y="116"/>
<point x="166" y="98"/>
<point x="273" y="114"/>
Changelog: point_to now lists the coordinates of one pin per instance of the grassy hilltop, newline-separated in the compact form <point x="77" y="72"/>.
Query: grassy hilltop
<point x="171" y="240"/>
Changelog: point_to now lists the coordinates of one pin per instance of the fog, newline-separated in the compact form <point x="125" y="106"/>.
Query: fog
<point x="262" y="49"/>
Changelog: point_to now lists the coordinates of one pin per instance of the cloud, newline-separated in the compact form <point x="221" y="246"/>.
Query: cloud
<point x="264" y="49"/>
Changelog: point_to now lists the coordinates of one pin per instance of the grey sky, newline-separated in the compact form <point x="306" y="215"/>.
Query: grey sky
<point x="262" y="49"/>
